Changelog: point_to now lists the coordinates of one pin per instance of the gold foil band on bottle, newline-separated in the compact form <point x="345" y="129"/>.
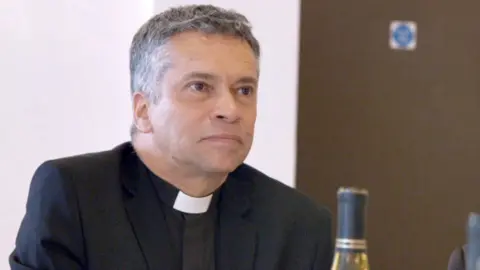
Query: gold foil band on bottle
<point x="353" y="190"/>
<point x="351" y="244"/>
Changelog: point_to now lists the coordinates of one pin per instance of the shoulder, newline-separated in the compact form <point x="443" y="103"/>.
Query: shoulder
<point x="66" y="173"/>
<point x="274" y="196"/>
<point x="87" y="162"/>
<point x="63" y="194"/>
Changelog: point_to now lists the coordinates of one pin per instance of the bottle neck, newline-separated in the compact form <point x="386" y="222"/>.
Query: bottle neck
<point x="351" y="234"/>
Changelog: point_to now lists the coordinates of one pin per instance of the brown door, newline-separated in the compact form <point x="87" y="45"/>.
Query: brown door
<point x="404" y="124"/>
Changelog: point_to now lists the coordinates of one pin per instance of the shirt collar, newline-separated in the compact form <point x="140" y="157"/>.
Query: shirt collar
<point x="175" y="198"/>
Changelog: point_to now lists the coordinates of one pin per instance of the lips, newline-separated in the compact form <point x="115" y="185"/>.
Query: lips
<point x="225" y="138"/>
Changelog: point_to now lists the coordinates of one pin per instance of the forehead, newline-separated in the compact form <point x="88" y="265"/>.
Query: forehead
<point x="192" y="51"/>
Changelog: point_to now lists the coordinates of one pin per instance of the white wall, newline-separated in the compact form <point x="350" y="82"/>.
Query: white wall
<point x="65" y="86"/>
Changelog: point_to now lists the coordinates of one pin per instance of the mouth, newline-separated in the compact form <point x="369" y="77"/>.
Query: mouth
<point x="224" y="138"/>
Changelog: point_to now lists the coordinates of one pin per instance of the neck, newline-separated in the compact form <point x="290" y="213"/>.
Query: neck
<point x="190" y="181"/>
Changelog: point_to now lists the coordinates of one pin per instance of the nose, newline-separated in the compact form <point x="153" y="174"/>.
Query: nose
<point x="226" y="108"/>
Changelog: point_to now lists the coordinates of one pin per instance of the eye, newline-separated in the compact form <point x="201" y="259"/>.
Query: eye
<point x="246" y="91"/>
<point x="199" y="87"/>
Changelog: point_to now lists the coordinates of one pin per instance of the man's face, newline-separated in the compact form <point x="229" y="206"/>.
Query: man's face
<point x="206" y="111"/>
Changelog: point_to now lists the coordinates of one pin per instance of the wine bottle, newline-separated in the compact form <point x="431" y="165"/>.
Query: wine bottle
<point x="472" y="251"/>
<point x="351" y="242"/>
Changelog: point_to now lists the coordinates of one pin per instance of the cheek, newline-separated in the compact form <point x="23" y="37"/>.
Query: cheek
<point x="165" y="123"/>
<point x="250" y="119"/>
<point x="178" y="122"/>
<point x="177" y="127"/>
<point x="160" y="116"/>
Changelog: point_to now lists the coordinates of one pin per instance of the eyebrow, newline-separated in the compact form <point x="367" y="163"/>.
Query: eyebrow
<point x="248" y="80"/>
<point x="199" y="75"/>
<point x="209" y="76"/>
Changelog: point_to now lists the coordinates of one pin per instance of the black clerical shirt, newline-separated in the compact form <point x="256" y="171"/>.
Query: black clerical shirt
<point x="192" y="236"/>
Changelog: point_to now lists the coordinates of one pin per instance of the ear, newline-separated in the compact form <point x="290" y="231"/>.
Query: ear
<point x="141" y="118"/>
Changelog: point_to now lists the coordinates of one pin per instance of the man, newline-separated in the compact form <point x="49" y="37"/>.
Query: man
<point x="178" y="196"/>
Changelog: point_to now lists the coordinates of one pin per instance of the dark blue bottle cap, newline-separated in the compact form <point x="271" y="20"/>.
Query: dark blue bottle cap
<point x="352" y="203"/>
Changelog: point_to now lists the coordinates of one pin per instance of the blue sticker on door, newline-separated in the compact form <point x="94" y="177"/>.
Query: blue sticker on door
<point x="403" y="35"/>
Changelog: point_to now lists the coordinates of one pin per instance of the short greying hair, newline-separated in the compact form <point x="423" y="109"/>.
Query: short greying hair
<point x="147" y="54"/>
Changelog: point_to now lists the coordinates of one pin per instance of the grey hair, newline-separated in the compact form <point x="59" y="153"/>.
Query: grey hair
<point x="148" y="56"/>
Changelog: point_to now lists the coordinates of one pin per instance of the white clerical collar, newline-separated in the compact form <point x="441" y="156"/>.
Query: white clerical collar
<point x="192" y="205"/>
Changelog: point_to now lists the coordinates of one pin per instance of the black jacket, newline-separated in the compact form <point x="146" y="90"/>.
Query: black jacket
<point x="95" y="211"/>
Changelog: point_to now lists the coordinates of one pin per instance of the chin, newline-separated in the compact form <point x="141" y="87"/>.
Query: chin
<point x="223" y="167"/>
